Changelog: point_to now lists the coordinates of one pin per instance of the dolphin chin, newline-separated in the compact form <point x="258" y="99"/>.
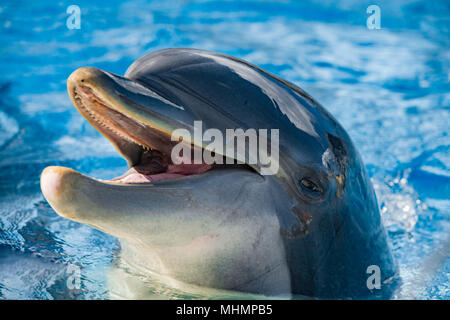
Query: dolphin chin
<point x="313" y="228"/>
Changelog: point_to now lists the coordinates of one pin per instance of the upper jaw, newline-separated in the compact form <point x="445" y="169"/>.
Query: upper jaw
<point x="139" y="133"/>
<point x="136" y="120"/>
<point x="119" y="109"/>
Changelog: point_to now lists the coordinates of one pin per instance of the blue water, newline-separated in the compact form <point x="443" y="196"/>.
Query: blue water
<point x="389" y="88"/>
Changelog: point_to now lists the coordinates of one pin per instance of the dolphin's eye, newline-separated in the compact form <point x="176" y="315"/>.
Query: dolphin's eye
<point x="310" y="188"/>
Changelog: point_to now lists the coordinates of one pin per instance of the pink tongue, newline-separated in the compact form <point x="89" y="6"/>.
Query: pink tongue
<point x="138" y="177"/>
<point x="173" y="171"/>
<point x="188" y="169"/>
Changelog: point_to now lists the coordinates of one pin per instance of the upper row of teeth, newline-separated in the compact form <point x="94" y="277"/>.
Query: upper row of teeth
<point x="101" y="122"/>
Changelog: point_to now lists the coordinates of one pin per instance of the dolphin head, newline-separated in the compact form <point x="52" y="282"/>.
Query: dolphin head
<point x="306" y="222"/>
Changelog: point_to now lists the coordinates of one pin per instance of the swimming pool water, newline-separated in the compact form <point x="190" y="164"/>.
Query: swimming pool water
<point x="389" y="88"/>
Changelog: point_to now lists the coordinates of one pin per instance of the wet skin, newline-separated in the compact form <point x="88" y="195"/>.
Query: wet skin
<point x="313" y="228"/>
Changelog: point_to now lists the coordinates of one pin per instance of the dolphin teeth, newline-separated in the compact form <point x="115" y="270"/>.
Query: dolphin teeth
<point x="82" y="100"/>
<point x="153" y="165"/>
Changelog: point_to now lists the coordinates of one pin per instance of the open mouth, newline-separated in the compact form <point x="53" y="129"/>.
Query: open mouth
<point x="146" y="149"/>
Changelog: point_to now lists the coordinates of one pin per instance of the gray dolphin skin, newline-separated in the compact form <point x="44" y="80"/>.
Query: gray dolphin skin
<point x="312" y="229"/>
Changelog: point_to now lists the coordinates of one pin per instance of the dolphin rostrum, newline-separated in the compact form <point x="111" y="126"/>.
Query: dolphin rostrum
<point x="311" y="228"/>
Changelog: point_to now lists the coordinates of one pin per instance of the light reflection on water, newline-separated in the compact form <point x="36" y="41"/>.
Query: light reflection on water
<point x="389" y="88"/>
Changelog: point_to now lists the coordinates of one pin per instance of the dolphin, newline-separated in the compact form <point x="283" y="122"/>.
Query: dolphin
<point x="312" y="228"/>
